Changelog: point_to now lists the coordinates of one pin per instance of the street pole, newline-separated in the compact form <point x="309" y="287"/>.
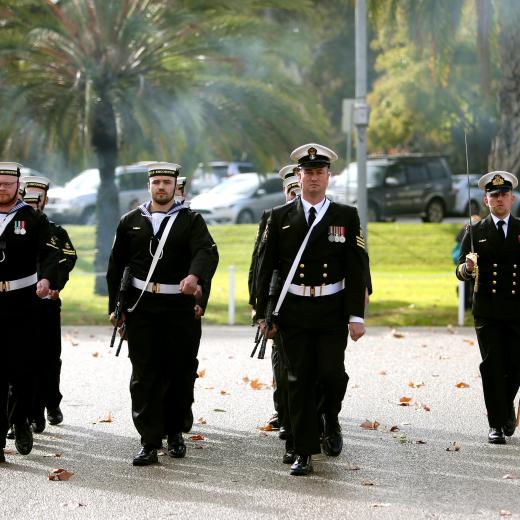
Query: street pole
<point x="361" y="112"/>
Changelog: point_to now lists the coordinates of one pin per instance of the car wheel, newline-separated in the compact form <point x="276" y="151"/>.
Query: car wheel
<point x="373" y="213"/>
<point x="89" y="216"/>
<point x="434" y="211"/>
<point x="245" y="217"/>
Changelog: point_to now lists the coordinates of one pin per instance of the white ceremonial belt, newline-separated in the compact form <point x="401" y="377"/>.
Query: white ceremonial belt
<point x="314" y="291"/>
<point x="154" y="287"/>
<point x="12" y="285"/>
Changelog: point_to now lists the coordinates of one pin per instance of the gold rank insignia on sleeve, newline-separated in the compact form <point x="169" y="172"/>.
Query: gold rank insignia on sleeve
<point x="360" y="240"/>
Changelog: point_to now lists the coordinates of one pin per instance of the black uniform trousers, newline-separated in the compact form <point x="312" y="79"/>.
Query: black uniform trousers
<point x="160" y="346"/>
<point x="47" y="394"/>
<point x="18" y="354"/>
<point x="280" y="393"/>
<point x="499" y="343"/>
<point x="315" y="359"/>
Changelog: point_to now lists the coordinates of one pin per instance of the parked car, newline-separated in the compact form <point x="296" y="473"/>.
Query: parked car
<point x="206" y="177"/>
<point x="76" y="201"/>
<point x="240" y="199"/>
<point x="414" y="184"/>
<point x="463" y="201"/>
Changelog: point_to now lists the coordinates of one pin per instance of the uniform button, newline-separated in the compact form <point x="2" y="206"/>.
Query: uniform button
<point x="302" y="266"/>
<point x="325" y="266"/>
<point x="301" y="275"/>
<point x="495" y="265"/>
<point x="494" y="273"/>
<point x="514" y="266"/>
<point x="325" y="275"/>
<point x="514" y="283"/>
<point x="513" y="292"/>
<point x="494" y="282"/>
<point x="514" y="275"/>
<point x="493" y="291"/>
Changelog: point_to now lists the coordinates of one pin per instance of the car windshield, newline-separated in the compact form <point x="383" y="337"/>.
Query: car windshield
<point x="375" y="175"/>
<point x="88" y="180"/>
<point x="237" y="185"/>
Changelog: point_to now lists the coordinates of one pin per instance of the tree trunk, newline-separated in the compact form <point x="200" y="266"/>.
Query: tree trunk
<point x="505" y="151"/>
<point x="104" y="142"/>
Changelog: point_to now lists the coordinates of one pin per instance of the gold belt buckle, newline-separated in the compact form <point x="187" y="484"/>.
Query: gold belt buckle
<point x="156" y="287"/>
<point x="313" y="291"/>
<point x="5" y="287"/>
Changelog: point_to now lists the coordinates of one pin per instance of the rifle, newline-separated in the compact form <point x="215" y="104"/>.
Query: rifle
<point x="274" y="289"/>
<point x="118" y="311"/>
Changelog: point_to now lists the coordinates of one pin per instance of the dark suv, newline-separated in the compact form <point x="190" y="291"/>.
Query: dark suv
<point x="415" y="184"/>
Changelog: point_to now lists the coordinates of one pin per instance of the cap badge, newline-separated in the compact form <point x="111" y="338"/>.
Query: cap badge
<point x="312" y="152"/>
<point x="497" y="180"/>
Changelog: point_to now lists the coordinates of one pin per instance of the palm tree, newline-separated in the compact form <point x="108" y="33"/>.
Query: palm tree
<point x="113" y="78"/>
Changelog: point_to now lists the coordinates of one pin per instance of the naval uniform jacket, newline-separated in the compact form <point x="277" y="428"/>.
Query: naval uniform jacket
<point x="67" y="254"/>
<point x="323" y="262"/>
<point x="189" y="249"/>
<point x="498" y="295"/>
<point x="25" y="253"/>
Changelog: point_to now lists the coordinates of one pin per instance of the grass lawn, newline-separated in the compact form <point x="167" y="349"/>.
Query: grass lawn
<point x="412" y="275"/>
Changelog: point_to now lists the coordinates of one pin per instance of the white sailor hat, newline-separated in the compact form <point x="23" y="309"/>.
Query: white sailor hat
<point x="181" y="182"/>
<point x="289" y="171"/>
<point x="164" y="169"/>
<point x="10" y="168"/>
<point x="292" y="184"/>
<point x="35" y="181"/>
<point x="496" y="181"/>
<point x="313" y="155"/>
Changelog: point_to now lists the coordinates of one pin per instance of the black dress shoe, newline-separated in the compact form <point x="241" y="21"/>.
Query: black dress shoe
<point x="54" y="416"/>
<point x="38" y="425"/>
<point x="10" y="433"/>
<point x="332" y="442"/>
<point x="496" y="436"/>
<point x="289" y="457"/>
<point x="274" y="422"/>
<point x="176" y="446"/>
<point x="282" y="434"/>
<point x="23" y="438"/>
<point x="510" y="425"/>
<point x="145" y="457"/>
<point x="302" y="465"/>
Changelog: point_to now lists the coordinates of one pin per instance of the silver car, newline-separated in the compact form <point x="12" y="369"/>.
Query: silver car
<point x="239" y="199"/>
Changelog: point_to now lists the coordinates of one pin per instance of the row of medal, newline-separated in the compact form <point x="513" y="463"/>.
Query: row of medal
<point x="19" y="227"/>
<point x="337" y="234"/>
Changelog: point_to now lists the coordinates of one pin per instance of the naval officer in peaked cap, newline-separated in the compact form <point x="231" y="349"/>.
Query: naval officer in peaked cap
<point x="494" y="268"/>
<point x="325" y="301"/>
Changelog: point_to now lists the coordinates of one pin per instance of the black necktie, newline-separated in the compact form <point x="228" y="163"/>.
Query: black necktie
<point x="501" y="231"/>
<point x="312" y="215"/>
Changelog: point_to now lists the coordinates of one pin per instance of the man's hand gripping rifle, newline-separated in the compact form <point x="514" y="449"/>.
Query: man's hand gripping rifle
<point x="118" y="311"/>
<point x="262" y="336"/>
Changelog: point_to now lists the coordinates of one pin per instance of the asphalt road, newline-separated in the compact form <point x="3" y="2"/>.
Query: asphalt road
<point x="400" y="470"/>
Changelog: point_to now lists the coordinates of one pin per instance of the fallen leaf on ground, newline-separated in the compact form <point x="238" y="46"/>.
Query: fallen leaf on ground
<point x="367" y="425"/>
<point x="469" y="341"/>
<point x="262" y="434"/>
<point x="420" y="441"/>
<point x="368" y="483"/>
<point x="426" y="408"/>
<point x="266" y="428"/>
<point x="396" y="334"/>
<point x="201" y="420"/>
<point x="73" y="341"/>
<point x="223" y="392"/>
<point x="95" y="354"/>
<point x="405" y="401"/>
<point x="201" y="373"/>
<point x="54" y="455"/>
<point x="453" y="447"/>
<point x="209" y="388"/>
<point x="380" y="504"/>
<point x="73" y="505"/>
<point x="245" y="379"/>
<point x="107" y="419"/>
<point x="382" y="373"/>
<point x="197" y="437"/>
<point x="415" y="384"/>
<point x="255" y="384"/>
<point x="218" y="410"/>
<point x="394" y="429"/>
<point x="59" y="474"/>
<point x="505" y="512"/>
<point x="352" y="467"/>
<point x="462" y="385"/>
<point x="510" y="476"/>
